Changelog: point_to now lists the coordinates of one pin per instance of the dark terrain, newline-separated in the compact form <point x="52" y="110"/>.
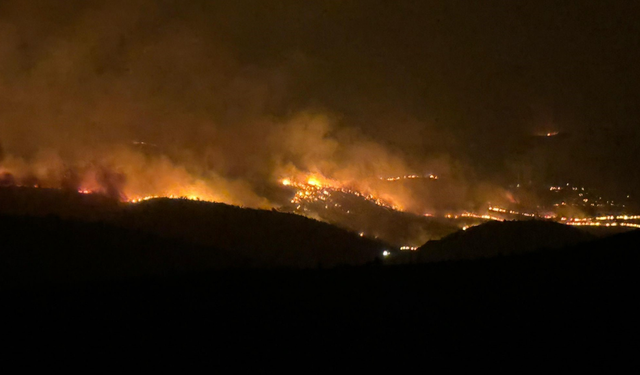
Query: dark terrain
<point x="96" y="287"/>
<point x="204" y="234"/>
<point x="500" y="238"/>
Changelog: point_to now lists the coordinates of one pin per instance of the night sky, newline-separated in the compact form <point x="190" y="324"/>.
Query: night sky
<point x="458" y="83"/>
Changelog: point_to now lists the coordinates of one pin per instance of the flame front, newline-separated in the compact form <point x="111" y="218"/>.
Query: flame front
<point x="315" y="187"/>
<point x="129" y="176"/>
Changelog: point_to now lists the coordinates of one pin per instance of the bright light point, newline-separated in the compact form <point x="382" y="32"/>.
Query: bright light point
<point x="386" y="253"/>
<point x="465" y="227"/>
<point x="286" y="182"/>
<point x="361" y="234"/>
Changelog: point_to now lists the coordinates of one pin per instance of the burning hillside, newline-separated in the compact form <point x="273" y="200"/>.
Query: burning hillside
<point x="405" y="210"/>
<point x="124" y="174"/>
<point x="365" y="212"/>
<point x="297" y="162"/>
<point x="92" y="103"/>
<point x="316" y="189"/>
<point x="368" y="206"/>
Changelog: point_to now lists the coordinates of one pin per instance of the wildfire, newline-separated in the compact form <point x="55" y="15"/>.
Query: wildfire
<point x="409" y="177"/>
<point x="139" y="199"/>
<point x="133" y="178"/>
<point x="315" y="188"/>
<point x="170" y="196"/>
<point x="512" y="212"/>
<point x="473" y="216"/>
<point x="179" y="194"/>
<point x="312" y="181"/>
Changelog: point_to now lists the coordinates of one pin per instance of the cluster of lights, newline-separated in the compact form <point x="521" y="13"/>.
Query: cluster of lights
<point x="601" y="218"/>
<point x="603" y="221"/>
<point x="632" y="225"/>
<point x="583" y="198"/>
<point x="512" y="212"/>
<point x="473" y="216"/>
<point x="568" y="187"/>
<point x="600" y="224"/>
<point x="410" y="177"/>
<point x="626" y="217"/>
<point x="409" y="248"/>
<point x="599" y="221"/>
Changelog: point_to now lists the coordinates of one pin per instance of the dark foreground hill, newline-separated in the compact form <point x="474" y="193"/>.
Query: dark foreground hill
<point x="500" y="238"/>
<point x="393" y="227"/>
<point x="15" y="200"/>
<point x="263" y="238"/>
<point x="53" y="235"/>
<point x="576" y="304"/>
<point x="37" y="251"/>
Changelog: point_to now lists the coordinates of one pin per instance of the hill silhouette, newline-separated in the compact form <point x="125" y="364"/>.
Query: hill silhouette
<point x="51" y="234"/>
<point x="178" y="271"/>
<point x="500" y="238"/>
<point x="64" y="203"/>
<point x="37" y="250"/>
<point x="262" y="237"/>
<point x="392" y="227"/>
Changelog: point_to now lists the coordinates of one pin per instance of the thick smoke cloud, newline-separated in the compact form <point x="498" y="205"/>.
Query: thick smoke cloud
<point x="219" y="99"/>
<point x="129" y="100"/>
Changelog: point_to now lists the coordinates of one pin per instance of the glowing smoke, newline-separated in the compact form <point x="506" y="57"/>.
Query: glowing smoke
<point x="129" y="100"/>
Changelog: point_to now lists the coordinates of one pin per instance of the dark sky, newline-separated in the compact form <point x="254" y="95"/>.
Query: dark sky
<point x="466" y="77"/>
<point x="469" y="81"/>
